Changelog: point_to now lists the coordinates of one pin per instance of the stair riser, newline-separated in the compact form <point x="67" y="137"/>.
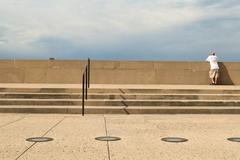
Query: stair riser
<point x="182" y="91"/>
<point x="120" y="91"/>
<point x="157" y="103"/>
<point x="41" y="90"/>
<point x="138" y="97"/>
<point x="58" y="90"/>
<point x="119" y="103"/>
<point x="119" y="111"/>
<point x="31" y="96"/>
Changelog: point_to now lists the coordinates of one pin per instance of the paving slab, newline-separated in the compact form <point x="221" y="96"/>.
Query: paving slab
<point x="8" y="119"/>
<point x="74" y="137"/>
<point x="141" y="137"/>
<point x="13" y="136"/>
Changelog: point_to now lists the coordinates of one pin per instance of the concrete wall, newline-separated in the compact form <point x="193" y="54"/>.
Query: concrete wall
<point x="115" y="72"/>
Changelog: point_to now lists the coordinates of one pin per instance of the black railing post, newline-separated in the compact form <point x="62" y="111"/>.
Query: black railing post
<point x="86" y="78"/>
<point x="83" y="79"/>
<point x="88" y="73"/>
<point x="85" y="84"/>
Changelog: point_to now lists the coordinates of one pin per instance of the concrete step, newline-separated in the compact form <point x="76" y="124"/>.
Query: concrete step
<point x="15" y="95"/>
<point x="91" y="102"/>
<point x="182" y="91"/>
<point x="59" y="90"/>
<point x="122" y="110"/>
<point x="111" y="99"/>
<point x="42" y="90"/>
<point x="22" y="95"/>
<point x="162" y="103"/>
<point x="123" y="91"/>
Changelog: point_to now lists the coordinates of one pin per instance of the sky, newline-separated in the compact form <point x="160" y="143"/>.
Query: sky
<point x="174" y="30"/>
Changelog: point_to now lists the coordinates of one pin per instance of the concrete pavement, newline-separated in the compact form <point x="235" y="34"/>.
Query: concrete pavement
<point x="74" y="137"/>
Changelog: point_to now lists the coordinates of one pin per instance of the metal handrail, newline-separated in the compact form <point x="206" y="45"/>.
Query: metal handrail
<point x="85" y="84"/>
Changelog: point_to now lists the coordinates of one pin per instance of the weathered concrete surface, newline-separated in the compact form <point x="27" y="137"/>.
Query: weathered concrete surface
<point x="115" y="72"/>
<point x="13" y="134"/>
<point x="113" y="86"/>
<point x="120" y="99"/>
<point x="206" y="134"/>
<point x="74" y="137"/>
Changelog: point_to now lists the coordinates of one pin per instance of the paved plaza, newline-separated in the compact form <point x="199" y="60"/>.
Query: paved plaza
<point x="74" y="137"/>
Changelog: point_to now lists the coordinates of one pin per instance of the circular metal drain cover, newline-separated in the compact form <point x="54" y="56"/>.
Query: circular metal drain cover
<point x="39" y="139"/>
<point x="234" y="139"/>
<point x="174" y="139"/>
<point x="107" y="138"/>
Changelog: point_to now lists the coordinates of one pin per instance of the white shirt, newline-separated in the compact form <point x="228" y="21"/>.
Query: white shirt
<point x="213" y="61"/>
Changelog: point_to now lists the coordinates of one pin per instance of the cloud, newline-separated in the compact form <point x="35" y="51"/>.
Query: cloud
<point x="119" y="29"/>
<point x="219" y="3"/>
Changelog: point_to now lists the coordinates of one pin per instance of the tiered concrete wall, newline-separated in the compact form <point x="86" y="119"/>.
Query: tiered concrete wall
<point x="115" y="72"/>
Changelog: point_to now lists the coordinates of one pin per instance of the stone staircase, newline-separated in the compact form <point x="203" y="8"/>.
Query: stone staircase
<point x="122" y="99"/>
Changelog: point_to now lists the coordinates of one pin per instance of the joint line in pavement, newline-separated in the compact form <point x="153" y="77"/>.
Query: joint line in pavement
<point x="108" y="147"/>
<point x="9" y="123"/>
<point x="55" y="125"/>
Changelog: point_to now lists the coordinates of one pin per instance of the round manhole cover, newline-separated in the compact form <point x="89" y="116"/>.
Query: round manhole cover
<point x="107" y="138"/>
<point x="234" y="139"/>
<point x="174" y="139"/>
<point x="39" y="139"/>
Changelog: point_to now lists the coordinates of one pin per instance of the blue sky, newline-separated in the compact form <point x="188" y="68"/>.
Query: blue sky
<point x="120" y="29"/>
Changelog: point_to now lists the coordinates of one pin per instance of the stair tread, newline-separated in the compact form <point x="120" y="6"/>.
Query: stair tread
<point x="126" y="94"/>
<point x="116" y="86"/>
<point x="133" y="107"/>
<point x="117" y="100"/>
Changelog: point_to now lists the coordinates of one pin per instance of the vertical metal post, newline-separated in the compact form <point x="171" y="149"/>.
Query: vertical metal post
<point x="85" y="84"/>
<point x="83" y="79"/>
<point x="86" y="78"/>
<point x="88" y="72"/>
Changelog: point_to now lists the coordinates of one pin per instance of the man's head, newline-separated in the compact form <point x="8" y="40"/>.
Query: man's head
<point x="212" y="53"/>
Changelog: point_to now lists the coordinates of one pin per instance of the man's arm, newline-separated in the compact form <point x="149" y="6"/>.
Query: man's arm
<point x="208" y="59"/>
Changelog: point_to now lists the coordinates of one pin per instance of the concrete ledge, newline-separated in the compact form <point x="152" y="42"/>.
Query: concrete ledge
<point x="115" y="72"/>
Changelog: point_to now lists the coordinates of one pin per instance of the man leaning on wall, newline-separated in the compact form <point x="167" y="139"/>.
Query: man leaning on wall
<point x="214" y="68"/>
